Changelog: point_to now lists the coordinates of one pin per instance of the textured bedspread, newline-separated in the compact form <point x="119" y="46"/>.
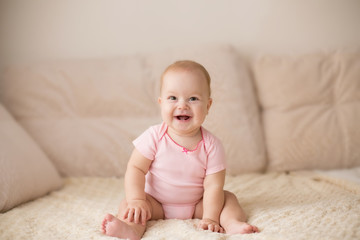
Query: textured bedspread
<point x="284" y="206"/>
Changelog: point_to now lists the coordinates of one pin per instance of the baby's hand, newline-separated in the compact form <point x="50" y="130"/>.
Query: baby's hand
<point x="137" y="211"/>
<point x="208" y="224"/>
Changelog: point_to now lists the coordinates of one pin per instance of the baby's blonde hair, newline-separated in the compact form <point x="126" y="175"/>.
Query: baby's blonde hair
<point x="188" y="65"/>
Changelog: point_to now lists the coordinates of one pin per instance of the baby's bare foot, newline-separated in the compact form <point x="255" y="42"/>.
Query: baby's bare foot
<point x="113" y="227"/>
<point x="241" y="227"/>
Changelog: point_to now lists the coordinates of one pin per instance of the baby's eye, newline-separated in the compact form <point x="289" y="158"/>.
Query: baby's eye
<point x="172" y="98"/>
<point x="192" y="99"/>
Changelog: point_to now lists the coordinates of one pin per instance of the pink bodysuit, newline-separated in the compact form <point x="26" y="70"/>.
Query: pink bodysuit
<point x="176" y="175"/>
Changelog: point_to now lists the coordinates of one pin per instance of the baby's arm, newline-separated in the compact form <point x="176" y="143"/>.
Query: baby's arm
<point x="137" y="207"/>
<point x="213" y="201"/>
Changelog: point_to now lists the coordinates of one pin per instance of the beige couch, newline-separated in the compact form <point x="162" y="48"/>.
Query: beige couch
<point x="66" y="129"/>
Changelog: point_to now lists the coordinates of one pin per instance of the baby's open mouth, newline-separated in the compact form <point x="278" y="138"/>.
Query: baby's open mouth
<point x="183" y="117"/>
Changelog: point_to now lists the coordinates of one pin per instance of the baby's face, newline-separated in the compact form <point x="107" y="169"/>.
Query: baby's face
<point x="184" y="101"/>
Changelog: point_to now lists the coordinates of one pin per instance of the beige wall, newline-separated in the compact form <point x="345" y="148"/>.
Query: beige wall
<point x="33" y="29"/>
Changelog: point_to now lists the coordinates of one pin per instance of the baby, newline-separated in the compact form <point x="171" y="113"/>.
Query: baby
<point x="177" y="169"/>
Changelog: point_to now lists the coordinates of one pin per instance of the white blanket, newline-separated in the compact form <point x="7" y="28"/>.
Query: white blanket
<point x="303" y="205"/>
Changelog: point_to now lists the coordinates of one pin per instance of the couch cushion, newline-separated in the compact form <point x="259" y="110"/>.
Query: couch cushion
<point x="25" y="171"/>
<point x="85" y="113"/>
<point x="311" y="109"/>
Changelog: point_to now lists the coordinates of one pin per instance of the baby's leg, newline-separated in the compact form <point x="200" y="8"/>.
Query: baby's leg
<point x="116" y="227"/>
<point x="233" y="218"/>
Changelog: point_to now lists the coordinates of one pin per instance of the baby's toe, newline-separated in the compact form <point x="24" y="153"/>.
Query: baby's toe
<point x="108" y="218"/>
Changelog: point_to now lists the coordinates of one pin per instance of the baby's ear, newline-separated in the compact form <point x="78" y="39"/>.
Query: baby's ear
<point x="159" y="100"/>
<point x="209" y="103"/>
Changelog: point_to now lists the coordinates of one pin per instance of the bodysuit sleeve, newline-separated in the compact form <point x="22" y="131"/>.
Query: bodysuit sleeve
<point x="146" y="143"/>
<point x="216" y="161"/>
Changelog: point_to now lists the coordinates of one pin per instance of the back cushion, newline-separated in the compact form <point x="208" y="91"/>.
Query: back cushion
<point x="310" y="110"/>
<point x="85" y="113"/>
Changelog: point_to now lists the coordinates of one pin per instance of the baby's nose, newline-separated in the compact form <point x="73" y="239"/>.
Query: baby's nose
<point x="182" y="104"/>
